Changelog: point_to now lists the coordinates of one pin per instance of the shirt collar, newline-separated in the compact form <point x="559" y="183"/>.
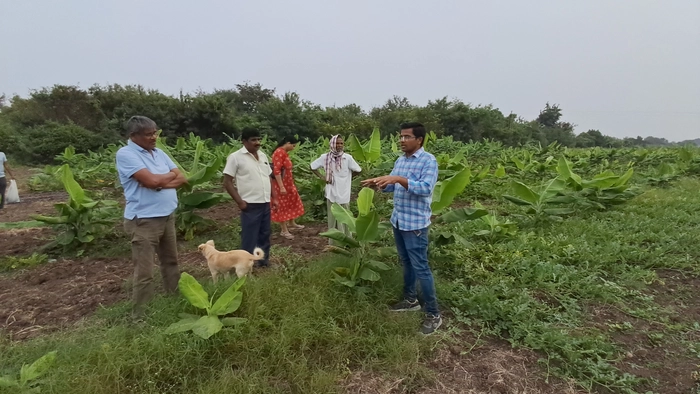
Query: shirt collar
<point x="133" y="145"/>
<point x="245" y="151"/>
<point x="417" y="154"/>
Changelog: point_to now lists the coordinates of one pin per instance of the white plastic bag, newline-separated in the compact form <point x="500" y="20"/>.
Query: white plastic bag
<point x="12" y="194"/>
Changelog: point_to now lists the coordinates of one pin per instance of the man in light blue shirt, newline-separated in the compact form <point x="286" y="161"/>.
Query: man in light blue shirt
<point x="149" y="178"/>
<point x="412" y="180"/>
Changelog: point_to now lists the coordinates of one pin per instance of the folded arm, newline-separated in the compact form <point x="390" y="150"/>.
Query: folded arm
<point x="178" y="181"/>
<point x="153" y="181"/>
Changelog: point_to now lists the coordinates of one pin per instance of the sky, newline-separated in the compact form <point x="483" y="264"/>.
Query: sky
<point x="627" y="68"/>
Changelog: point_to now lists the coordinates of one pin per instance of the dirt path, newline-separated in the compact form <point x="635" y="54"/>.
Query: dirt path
<point x="21" y="242"/>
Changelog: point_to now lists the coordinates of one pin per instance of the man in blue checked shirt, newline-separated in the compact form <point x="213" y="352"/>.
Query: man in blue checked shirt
<point x="412" y="180"/>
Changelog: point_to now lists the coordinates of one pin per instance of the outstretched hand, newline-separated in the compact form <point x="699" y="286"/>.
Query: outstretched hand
<point x="381" y="182"/>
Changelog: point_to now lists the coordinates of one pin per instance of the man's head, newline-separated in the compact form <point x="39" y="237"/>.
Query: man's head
<point x="411" y="137"/>
<point x="339" y="143"/>
<point x="142" y="131"/>
<point x="251" y="139"/>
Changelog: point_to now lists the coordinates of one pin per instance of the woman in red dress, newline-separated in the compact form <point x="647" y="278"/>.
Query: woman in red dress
<point x="289" y="205"/>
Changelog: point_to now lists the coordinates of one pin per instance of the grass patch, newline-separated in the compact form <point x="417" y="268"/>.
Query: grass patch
<point x="533" y="289"/>
<point x="20" y="225"/>
<point x="11" y="263"/>
<point x="304" y="334"/>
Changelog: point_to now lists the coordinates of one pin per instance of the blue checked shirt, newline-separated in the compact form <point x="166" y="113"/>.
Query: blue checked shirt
<point x="412" y="207"/>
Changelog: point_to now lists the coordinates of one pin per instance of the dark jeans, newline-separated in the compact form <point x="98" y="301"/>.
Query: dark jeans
<point x="255" y="229"/>
<point x="3" y="187"/>
<point x="412" y="247"/>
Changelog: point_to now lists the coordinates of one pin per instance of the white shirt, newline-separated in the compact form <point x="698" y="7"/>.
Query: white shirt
<point x="252" y="176"/>
<point x="339" y="190"/>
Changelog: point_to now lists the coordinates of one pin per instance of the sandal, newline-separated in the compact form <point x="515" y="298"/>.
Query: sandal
<point x="299" y="226"/>
<point x="287" y="235"/>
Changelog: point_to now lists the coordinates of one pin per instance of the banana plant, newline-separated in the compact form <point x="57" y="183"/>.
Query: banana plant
<point x="187" y="220"/>
<point x="81" y="219"/>
<point x="367" y="153"/>
<point x="664" y="174"/>
<point x="208" y="325"/>
<point x="442" y="236"/>
<point x="29" y="375"/>
<point x="364" y="255"/>
<point x="541" y="200"/>
<point x="495" y="228"/>
<point x="603" y="190"/>
<point x="530" y="165"/>
<point x="446" y="190"/>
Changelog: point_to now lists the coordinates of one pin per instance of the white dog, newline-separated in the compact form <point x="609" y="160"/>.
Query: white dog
<point x="223" y="262"/>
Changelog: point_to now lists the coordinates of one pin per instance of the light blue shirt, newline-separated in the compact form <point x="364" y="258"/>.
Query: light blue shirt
<point x="412" y="206"/>
<point x="142" y="202"/>
<point x="3" y="159"/>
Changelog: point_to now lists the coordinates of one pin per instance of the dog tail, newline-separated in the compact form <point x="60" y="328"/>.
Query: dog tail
<point x="259" y="254"/>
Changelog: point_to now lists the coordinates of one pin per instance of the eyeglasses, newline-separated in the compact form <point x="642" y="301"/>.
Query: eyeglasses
<point x="152" y="134"/>
<point x="406" y="137"/>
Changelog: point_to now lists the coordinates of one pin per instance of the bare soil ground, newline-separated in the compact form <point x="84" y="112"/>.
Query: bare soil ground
<point x="490" y="368"/>
<point x="651" y="351"/>
<point x="24" y="241"/>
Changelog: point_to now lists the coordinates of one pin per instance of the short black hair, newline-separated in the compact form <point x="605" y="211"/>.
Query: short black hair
<point x="289" y="138"/>
<point x="417" y="128"/>
<point x="249" y="132"/>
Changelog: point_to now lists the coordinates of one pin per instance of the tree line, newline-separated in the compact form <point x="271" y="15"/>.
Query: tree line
<point x="36" y="128"/>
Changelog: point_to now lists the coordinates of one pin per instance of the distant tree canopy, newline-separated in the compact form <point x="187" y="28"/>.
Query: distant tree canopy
<point x="36" y="128"/>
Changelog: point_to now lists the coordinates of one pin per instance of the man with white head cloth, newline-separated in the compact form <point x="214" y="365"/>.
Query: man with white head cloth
<point x="339" y="168"/>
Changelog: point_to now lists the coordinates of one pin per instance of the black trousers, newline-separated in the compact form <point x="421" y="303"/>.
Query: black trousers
<point x="255" y="229"/>
<point x="3" y="187"/>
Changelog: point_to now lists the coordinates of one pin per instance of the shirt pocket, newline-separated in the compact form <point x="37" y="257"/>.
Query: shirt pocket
<point x="266" y="168"/>
<point x="414" y="175"/>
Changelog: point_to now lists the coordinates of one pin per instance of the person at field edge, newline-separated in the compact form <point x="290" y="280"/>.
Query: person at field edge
<point x="250" y="169"/>
<point x="149" y="179"/>
<point x="290" y="205"/>
<point x="4" y="168"/>
<point x="412" y="181"/>
<point x="340" y="168"/>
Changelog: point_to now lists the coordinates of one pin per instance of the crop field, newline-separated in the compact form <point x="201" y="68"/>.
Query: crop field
<point x="559" y="270"/>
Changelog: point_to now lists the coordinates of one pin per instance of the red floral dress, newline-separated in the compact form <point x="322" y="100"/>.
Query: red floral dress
<point x="289" y="205"/>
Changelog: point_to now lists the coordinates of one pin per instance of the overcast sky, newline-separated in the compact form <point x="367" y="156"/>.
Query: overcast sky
<point x="626" y="68"/>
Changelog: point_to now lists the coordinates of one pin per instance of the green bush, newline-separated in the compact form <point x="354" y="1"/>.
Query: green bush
<point x="43" y="143"/>
<point x="9" y="138"/>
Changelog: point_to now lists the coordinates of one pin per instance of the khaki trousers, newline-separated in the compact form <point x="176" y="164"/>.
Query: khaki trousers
<point x="151" y="236"/>
<point x="332" y="223"/>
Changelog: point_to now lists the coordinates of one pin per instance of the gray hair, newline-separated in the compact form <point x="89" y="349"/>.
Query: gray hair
<point x="137" y="124"/>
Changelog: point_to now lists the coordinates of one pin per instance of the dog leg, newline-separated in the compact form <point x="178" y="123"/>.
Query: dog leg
<point x="243" y="270"/>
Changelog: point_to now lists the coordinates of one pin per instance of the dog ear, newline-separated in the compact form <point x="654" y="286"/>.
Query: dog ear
<point x="210" y="242"/>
